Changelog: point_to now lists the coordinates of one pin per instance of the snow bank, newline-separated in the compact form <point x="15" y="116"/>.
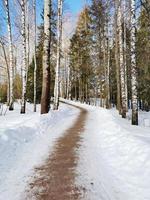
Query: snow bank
<point x="114" y="158"/>
<point x="25" y="141"/>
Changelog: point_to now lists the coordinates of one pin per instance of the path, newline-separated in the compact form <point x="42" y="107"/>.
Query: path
<point x="55" y="179"/>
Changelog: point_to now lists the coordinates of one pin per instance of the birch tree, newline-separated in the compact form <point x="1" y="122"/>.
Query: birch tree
<point x="57" y="70"/>
<point x="11" y="99"/>
<point x="35" y="63"/>
<point x="117" y="57"/>
<point x="122" y="67"/>
<point x="24" y="61"/>
<point x="45" y="98"/>
<point x="133" y="66"/>
<point x="125" y="52"/>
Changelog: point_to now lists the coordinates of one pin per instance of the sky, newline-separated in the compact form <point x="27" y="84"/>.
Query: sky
<point x="75" y="5"/>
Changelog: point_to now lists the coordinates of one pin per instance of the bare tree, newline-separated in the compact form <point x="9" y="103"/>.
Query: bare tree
<point x="133" y="66"/>
<point x="122" y="67"/>
<point x="11" y="98"/>
<point x="45" y="98"/>
<point x="117" y="56"/>
<point x="35" y="64"/>
<point x="24" y="63"/>
<point x="57" y="70"/>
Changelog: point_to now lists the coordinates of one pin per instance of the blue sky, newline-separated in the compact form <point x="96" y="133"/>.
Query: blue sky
<point x="75" y="5"/>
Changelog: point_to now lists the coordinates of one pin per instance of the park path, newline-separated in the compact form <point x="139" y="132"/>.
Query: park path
<point x="55" y="179"/>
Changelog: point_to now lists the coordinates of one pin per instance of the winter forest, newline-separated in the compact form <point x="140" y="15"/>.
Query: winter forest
<point x="74" y="99"/>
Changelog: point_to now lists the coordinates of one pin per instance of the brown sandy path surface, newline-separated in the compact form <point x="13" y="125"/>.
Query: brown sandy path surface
<point x="55" y="179"/>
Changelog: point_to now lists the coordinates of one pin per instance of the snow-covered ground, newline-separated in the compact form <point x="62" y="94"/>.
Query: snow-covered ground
<point x="114" y="157"/>
<point x="25" y="141"/>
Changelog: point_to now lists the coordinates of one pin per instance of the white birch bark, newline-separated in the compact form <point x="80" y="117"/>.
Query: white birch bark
<point x="133" y="66"/>
<point x="24" y="61"/>
<point x="45" y="98"/>
<point x="11" y="98"/>
<point x="27" y="26"/>
<point x="117" y="57"/>
<point x="57" y="70"/>
<point x="122" y="71"/>
<point x="108" y="103"/>
<point x="35" y="64"/>
<point x="125" y="55"/>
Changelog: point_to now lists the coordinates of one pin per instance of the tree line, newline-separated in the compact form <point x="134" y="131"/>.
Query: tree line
<point x="107" y="60"/>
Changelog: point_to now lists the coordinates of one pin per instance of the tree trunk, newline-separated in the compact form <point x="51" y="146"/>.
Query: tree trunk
<point x="133" y="66"/>
<point x="45" y="98"/>
<point x="24" y="63"/>
<point x="122" y="71"/>
<point x="35" y="64"/>
<point x="125" y="55"/>
<point x="11" y="98"/>
<point x="117" y="57"/>
<point x="57" y="70"/>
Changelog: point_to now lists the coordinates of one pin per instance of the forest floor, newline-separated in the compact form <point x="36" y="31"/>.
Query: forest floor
<point x="79" y="152"/>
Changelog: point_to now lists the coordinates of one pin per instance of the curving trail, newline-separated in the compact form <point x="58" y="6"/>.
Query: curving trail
<point x="55" y="179"/>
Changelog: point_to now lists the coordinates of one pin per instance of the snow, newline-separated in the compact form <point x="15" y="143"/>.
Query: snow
<point x="114" y="157"/>
<point x="25" y="141"/>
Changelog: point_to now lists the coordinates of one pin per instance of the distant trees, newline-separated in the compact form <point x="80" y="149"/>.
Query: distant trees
<point x="80" y="61"/>
<point x="116" y="59"/>
<point x="107" y="62"/>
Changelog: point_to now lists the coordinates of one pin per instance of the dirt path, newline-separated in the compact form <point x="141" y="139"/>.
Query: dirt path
<point x="55" y="180"/>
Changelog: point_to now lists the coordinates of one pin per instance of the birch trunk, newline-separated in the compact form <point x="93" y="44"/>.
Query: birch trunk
<point x="11" y="98"/>
<point x="108" y="104"/>
<point x="107" y="74"/>
<point x="45" y="98"/>
<point x="125" y="56"/>
<point x="35" y="64"/>
<point x="122" y="71"/>
<point x="57" y="70"/>
<point x="117" y="57"/>
<point x="27" y="26"/>
<point x="24" y="63"/>
<point x="133" y="66"/>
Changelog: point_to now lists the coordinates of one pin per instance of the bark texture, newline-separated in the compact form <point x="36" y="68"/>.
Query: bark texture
<point x="133" y="66"/>
<point x="11" y="98"/>
<point x="24" y="59"/>
<point x="122" y="67"/>
<point x="45" y="98"/>
<point x="57" y="70"/>
<point x="35" y="63"/>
